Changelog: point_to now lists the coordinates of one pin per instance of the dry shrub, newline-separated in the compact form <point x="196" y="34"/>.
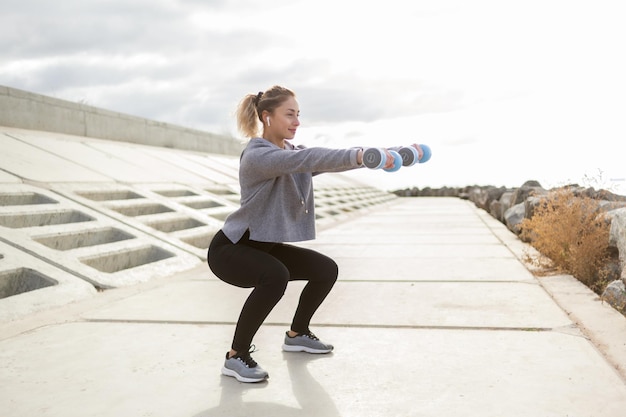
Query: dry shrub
<point x="571" y="231"/>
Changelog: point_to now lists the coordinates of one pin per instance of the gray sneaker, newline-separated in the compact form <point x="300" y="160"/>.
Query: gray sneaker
<point x="244" y="368"/>
<point x="306" y="342"/>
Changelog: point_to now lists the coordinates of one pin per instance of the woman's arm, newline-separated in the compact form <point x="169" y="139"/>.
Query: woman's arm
<point x="266" y="160"/>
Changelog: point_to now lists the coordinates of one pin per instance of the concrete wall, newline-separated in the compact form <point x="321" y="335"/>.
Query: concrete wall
<point x="25" y="110"/>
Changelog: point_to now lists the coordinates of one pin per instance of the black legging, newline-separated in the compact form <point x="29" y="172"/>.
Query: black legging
<point x="268" y="267"/>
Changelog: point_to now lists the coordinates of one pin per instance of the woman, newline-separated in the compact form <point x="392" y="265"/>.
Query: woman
<point x="276" y="206"/>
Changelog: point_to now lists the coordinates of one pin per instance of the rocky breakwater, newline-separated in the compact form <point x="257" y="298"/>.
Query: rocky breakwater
<point x="511" y="206"/>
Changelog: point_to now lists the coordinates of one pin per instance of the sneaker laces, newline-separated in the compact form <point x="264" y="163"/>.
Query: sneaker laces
<point x="310" y="335"/>
<point x="246" y="358"/>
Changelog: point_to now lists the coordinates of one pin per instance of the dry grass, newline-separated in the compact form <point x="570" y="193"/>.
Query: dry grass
<point x="573" y="234"/>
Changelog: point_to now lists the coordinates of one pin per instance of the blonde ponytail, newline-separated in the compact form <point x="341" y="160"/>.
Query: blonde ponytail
<point x="247" y="118"/>
<point x="252" y="106"/>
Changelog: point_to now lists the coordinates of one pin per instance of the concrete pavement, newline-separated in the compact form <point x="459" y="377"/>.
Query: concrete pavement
<point x="434" y="315"/>
<point x="107" y="307"/>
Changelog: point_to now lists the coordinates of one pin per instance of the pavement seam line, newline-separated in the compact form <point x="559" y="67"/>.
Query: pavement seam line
<point x="354" y="326"/>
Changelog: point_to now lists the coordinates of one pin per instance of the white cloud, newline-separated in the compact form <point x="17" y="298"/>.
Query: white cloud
<point x="513" y="87"/>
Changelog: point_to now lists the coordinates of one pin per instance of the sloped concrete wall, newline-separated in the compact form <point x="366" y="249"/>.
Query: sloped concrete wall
<point x="25" y="110"/>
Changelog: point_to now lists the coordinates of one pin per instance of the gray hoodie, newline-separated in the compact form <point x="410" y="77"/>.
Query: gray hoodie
<point x="277" y="190"/>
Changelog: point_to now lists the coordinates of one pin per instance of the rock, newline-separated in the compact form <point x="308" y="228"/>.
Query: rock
<point x="615" y="295"/>
<point x="601" y="195"/>
<point x="428" y="192"/>
<point x="530" y="204"/>
<point x="617" y="233"/>
<point x="501" y="205"/>
<point x="529" y="188"/>
<point x="487" y="195"/>
<point x="505" y="202"/>
<point x="513" y="217"/>
<point x="495" y="210"/>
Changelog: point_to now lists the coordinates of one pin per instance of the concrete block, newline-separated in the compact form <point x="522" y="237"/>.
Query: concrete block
<point x="97" y="248"/>
<point x="184" y="216"/>
<point x="29" y="284"/>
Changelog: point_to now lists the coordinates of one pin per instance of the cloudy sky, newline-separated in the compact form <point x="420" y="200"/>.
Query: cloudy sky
<point x="503" y="91"/>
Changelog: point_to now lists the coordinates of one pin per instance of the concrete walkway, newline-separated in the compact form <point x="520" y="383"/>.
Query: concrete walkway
<point x="434" y="315"/>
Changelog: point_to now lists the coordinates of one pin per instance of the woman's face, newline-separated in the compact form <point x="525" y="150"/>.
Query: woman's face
<point x="285" y="120"/>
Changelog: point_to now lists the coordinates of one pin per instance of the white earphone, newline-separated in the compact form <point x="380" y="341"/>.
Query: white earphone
<point x="268" y="120"/>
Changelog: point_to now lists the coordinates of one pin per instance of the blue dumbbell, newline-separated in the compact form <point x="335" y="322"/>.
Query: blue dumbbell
<point x="376" y="158"/>
<point x="410" y="155"/>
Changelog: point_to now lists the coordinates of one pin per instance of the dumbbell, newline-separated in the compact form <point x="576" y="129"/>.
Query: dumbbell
<point x="410" y="156"/>
<point x="376" y="158"/>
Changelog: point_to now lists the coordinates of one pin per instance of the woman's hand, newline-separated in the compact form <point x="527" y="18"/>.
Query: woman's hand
<point x="389" y="162"/>
<point x="359" y="157"/>
<point x="420" y="152"/>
